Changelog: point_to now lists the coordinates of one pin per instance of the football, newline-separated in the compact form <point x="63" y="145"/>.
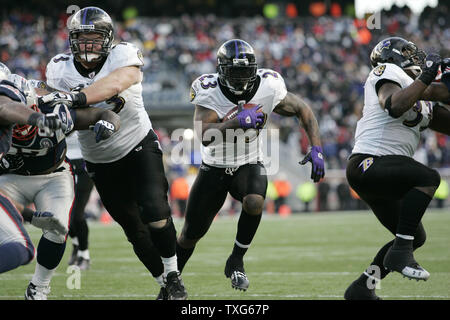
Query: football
<point x="234" y="111"/>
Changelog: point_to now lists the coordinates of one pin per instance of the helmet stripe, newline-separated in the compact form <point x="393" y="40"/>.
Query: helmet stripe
<point x="84" y="16"/>
<point x="236" y="48"/>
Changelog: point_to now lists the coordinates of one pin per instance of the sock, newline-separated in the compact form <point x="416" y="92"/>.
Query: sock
<point x="414" y="205"/>
<point x="13" y="255"/>
<point x="170" y="264"/>
<point x="49" y="253"/>
<point x="42" y="276"/>
<point x="160" y="280"/>
<point x="246" y="230"/>
<point x="378" y="260"/>
<point x="401" y="243"/>
<point x="165" y="239"/>
<point x="147" y="253"/>
<point x="183" y="256"/>
<point x="83" y="235"/>
<point x="84" y="254"/>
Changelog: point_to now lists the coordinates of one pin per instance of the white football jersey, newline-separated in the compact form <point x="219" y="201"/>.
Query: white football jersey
<point x="378" y="133"/>
<point x="205" y="92"/>
<point x="129" y="105"/>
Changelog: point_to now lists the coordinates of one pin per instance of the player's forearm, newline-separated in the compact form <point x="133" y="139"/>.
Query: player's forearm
<point x="441" y="120"/>
<point x="310" y="125"/>
<point x="15" y="112"/>
<point x="436" y="92"/>
<point x="111" y="85"/>
<point x="210" y="130"/>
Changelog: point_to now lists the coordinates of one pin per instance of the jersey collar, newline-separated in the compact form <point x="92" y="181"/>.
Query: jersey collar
<point x="87" y="73"/>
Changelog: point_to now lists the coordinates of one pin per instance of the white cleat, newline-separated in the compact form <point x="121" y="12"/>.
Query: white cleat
<point x="34" y="292"/>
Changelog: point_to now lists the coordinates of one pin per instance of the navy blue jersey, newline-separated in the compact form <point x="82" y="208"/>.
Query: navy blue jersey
<point x="40" y="153"/>
<point x="8" y="89"/>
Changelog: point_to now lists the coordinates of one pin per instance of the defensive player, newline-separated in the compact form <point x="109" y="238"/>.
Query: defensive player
<point x="127" y="169"/>
<point x="237" y="168"/>
<point x="38" y="173"/>
<point x="381" y="169"/>
<point x="16" y="248"/>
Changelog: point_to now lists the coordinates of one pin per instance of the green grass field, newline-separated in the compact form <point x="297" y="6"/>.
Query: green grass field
<point x="302" y="257"/>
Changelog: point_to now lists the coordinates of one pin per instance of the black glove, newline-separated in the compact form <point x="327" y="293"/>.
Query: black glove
<point x="430" y="68"/>
<point x="47" y="123"/>
<point x="445" y="68"/>
<point x="10" y="163"/>
<point x="103" y="130"/>
<point x="74" y="99"/>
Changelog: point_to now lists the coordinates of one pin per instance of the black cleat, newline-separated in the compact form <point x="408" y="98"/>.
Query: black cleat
<point x="357" y="291"/>
<point x="402" y="261"/>
<point x="73" y="257"/>
<point x="234" y="269"/>
<point x="175" y="287"/>
<point x="163" y="294"/>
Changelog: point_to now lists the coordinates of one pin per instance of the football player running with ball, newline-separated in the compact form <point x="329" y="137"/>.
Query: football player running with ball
<point x="381" y="169"/>
<point x="240" y="172"/>
<point x="127" y="169"/>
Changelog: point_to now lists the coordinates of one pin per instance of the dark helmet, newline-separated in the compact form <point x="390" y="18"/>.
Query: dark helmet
<point x="91" y="20"/>
<point x="4" y="71"/>
<point x="236" y="66"/>
<point x="400" y="52"/>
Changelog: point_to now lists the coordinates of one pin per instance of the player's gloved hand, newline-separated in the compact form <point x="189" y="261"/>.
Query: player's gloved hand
<point x="250" y="118"/>
<point x="445" y="68"/>
<point x="430" y="68"/>
<point x="315" y="156"/>
<point x="10" y="163"/>
<point x="103" y="130"/>
<point x="47" y="123"/>
<point x="74" y="99"/>
<point x="46" y="220"/>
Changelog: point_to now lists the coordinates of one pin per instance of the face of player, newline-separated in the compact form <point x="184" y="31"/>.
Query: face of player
<point x="90" y="44"/>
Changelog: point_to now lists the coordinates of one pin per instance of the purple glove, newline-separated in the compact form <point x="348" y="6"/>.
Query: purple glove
<point x="318" y="165"/>
<point x="250" y="119"/>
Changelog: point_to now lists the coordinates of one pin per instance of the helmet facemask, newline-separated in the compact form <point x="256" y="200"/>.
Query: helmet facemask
<point x="414" y="59"/>
<point x="90" y="54"/>
<point x="239" y="76"/>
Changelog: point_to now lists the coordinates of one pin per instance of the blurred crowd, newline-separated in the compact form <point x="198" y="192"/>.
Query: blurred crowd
<point x="324" y="60"/>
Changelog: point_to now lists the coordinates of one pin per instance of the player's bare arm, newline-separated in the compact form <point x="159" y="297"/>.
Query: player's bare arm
<point x="397" y="100"/>
<point x="91" y="115"/>
<point x="436" y="92"/>
<point x="16" y="112"/>
<point x="210" y="120"/>
<point x="293" y="105"/>
<point x="113" y="84"/>
<point x="13" y="112"/>
<point x="441" y="119"/>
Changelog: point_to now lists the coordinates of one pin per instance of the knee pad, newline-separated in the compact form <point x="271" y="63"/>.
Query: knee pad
<point x="253" y="204"/>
